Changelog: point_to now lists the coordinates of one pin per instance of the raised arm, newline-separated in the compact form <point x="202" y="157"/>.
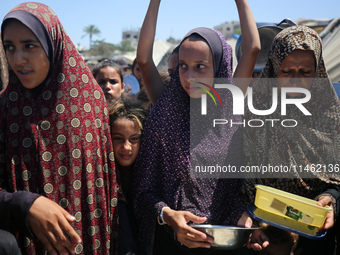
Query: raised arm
<point x="152" y="80"/>
<point x="251" y="44"/>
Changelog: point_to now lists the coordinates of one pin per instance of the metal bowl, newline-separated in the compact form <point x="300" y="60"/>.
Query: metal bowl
<point x="225" y="237"/>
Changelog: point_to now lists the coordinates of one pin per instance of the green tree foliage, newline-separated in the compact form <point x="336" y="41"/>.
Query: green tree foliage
<point x="91" y="30"/>
<point x="125" y="46"/>
<point x="238" y="31"/>
<point x="101" y="48"/>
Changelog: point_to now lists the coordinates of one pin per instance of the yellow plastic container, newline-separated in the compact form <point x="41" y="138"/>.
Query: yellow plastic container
<point x="290" y="205"/>
<point x="286" y="222"/>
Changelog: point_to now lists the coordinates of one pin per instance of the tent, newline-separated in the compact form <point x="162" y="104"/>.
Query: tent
<point x="160" y="49"/>
<point x="331" y="49"/>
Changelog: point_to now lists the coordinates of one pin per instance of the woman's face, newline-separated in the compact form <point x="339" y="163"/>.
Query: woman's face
<point x="297" y="70"/>
<point x="25" y="54"/>
<point x="126" y="141"/>
<point x="195" y="62"/>
<point x="110" y="82"/>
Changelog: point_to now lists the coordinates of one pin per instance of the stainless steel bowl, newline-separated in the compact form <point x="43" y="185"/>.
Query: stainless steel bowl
<point x="225" y="237"/>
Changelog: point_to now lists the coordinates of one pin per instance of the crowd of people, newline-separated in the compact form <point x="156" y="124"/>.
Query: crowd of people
<point x="88" y="166"/>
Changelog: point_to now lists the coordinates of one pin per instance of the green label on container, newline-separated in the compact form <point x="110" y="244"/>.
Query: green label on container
<point x="293" y="213"/>
<point x="298" y="216"/>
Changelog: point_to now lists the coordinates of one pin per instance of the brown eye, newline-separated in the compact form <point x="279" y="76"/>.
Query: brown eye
<point x="30" y="46"/>
<point x="117" y="139"/>
<point x="135" y="140"/>
<point x="113" y="82"/>
<point x="8" y="47"/>
<point x="182" y="66"/>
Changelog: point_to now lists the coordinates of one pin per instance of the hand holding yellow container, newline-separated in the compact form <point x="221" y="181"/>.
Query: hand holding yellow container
<point x="290" y="205"/>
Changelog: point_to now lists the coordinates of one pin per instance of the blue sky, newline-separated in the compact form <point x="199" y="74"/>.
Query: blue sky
<point x="176" y="17"/>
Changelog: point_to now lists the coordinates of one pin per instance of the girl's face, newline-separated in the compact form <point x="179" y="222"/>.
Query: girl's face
<point x="110" y="82"/>
<point x="298" y="69"/>
<point x="25" y="54"/>
<point x="126" y="136"/>
<point x="137" y="73"/>
<point x="172" y="63"/>
<point x="195" y="62"/>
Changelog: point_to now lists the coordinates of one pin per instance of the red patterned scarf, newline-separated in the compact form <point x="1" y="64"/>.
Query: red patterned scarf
<point x="56" y="142"/>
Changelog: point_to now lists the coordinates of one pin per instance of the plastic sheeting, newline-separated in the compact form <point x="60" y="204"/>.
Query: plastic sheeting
<point x="331" y="49"/>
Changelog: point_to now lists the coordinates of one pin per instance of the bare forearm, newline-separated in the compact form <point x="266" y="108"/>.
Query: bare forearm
<point x="250" y="35"/>
<point x="251" y="44"/>
<point x="152" y="80"/>
<point x="147" y="34"/>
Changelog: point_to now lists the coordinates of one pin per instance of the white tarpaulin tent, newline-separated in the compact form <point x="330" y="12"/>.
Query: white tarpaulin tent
<point x="331" y="49"/>
<point x="232" y="43"/>
<point x="160" y="48"/>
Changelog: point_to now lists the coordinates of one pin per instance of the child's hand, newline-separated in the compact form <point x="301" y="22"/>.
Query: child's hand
<point x="128" y="88"/>
<point x="329" y="222"/>
<point x="258" y="240"/>
<point x="245" y="221"/>
<point x="186" y="235"/>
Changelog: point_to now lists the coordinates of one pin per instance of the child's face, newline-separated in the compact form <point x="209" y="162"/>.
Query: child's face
<point x="126" y="141"/>
<point x="195" y="62"/>
<point x="137" y="73"/>
<point x="172" y="63"/>
<point x="110" y="82"/>
<point x="25" y="54"/>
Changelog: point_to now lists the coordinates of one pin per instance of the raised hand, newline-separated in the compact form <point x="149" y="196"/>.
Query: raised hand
<point x="251" y="45"/>
<point x="152" y="80"/>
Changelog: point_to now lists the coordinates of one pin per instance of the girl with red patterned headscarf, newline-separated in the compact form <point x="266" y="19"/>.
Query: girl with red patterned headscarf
<point x="56" y="153"/>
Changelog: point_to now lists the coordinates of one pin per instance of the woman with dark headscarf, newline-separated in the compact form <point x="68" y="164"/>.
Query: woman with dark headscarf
<point x="56" y="151"/>
<point x="165" y="187"/>
<point x="313" y="143"/>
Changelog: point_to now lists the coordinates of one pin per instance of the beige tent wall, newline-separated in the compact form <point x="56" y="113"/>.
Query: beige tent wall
<point x="331" y="49"/>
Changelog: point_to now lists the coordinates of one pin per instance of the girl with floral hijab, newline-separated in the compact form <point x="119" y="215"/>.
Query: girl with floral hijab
<point x="162" y="170"/>
<point x="55" y="141"/>
<point x="166" y="189"/>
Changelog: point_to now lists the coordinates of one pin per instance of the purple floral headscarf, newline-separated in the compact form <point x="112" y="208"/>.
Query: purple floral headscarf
<point x="162" y="175"/>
